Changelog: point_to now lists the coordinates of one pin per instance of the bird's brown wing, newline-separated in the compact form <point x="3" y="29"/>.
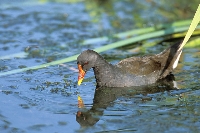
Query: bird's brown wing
<point x="140" y="65"/>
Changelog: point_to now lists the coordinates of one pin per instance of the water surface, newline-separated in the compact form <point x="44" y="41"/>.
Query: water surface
<point x="45" y="100"/>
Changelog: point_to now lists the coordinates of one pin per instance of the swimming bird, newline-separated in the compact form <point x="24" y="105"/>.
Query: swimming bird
<point x="133" y="71"/>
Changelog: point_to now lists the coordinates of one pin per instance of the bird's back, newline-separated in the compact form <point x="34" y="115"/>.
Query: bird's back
<point x="162" y="63"/>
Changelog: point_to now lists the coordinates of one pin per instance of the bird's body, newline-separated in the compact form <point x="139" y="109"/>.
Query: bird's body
<point x="133" y="71"/>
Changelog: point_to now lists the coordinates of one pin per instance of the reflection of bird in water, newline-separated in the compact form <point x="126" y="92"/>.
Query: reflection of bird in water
<point x="104" y="97"/>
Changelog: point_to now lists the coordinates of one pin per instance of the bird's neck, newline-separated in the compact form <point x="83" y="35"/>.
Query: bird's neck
<point x="103" y="72"/>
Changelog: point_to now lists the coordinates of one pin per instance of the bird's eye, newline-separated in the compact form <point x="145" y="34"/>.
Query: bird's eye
<point x="85" y="63"/>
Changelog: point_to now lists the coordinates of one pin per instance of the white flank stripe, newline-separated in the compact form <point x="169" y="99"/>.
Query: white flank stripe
<point x="176" y="61"/>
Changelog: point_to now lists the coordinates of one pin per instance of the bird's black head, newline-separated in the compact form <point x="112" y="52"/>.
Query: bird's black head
<point x="85" y="61"/>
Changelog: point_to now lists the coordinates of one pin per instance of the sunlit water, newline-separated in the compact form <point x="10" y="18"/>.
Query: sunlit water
<point x="45" y="100"/>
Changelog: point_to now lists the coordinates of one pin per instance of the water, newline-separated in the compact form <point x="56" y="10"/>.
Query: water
<point x="45" y="100"/>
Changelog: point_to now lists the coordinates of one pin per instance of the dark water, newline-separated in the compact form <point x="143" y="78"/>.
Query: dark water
<point x="45" y="100"/>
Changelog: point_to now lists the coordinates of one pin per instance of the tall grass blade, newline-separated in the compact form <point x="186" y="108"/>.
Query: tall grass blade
<point x="135" y="32"/>
<point x="141" y="37"/>
<point x="192" y="27"/>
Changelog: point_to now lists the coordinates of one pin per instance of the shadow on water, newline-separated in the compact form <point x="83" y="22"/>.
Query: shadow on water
<point x="104" y="97"/>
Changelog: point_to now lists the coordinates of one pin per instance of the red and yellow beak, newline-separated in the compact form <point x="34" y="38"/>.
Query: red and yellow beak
<point x="81" y="74"/>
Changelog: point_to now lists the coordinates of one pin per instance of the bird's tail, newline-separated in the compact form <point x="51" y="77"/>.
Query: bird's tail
<point x="170" y="58"/>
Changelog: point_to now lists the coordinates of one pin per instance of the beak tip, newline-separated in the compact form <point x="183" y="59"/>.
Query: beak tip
<point x="79" y="82"/>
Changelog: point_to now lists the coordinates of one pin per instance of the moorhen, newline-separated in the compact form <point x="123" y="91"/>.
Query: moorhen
<point x="133" y="71"/>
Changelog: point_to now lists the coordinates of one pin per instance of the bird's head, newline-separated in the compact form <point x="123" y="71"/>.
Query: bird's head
<point x="85" y="61"/>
